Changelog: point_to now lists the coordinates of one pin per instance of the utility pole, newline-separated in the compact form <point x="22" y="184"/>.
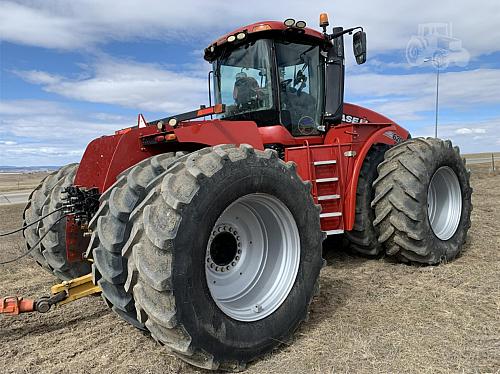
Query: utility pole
<point x="438" y="66"/>
<point x="437" y="99"/>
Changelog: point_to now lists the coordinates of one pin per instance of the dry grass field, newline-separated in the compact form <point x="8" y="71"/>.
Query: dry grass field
<point x="20" y="182"/>
<point x="371" y="315"/>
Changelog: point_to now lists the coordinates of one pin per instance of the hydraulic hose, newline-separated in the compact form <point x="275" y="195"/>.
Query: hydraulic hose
<point x="36" y="244"/>
<point x="31" y="224"/>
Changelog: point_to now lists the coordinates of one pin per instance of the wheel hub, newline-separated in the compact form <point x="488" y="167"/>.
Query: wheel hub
<point x="252" y="257"/>
<point x="224" y="248"/>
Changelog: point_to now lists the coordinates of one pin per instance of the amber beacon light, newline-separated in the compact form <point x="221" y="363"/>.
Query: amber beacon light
<point x="323" y="21"/>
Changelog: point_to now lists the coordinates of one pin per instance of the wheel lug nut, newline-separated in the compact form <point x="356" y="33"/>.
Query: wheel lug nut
<point x="233" y="263"/>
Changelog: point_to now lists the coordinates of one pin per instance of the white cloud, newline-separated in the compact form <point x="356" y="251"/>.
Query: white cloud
<point x="466" y="130"/>
<point x="43" y="132"/>
<point x="77" y="24"/>
<point x="41" y="77"/>
<point x="24" y="107"/>
<point x="131" y="84"/>
<point x="40" y="26"/>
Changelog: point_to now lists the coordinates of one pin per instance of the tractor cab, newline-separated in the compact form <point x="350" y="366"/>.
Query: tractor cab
<point x="277" y="73"/>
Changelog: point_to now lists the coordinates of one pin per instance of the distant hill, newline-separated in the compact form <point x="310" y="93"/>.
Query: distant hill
<point x="26" y="169"/>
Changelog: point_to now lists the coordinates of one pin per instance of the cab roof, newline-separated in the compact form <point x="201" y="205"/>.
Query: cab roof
<point x="264" y="29"/>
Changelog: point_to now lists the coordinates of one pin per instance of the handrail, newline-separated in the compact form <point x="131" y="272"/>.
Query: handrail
<point x="341" y="177"/>
<point x="312" y="174"/>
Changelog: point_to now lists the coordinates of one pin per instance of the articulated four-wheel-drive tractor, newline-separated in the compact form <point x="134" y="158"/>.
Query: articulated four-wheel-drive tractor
<point x="208" y="233"/>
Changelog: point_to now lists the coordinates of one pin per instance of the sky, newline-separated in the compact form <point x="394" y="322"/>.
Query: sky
<point x="71" y="71"/>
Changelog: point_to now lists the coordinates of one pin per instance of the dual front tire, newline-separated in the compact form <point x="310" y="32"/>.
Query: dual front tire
<point x="422" y="201"/>
<point x="413" y="202"/>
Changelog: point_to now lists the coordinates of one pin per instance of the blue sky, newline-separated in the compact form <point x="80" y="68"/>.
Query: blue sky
<point x="71" y="71"/>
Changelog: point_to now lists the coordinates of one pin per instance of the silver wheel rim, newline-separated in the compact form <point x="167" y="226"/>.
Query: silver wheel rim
<point x="444" y="203"/>
<point x="252" y="257"/>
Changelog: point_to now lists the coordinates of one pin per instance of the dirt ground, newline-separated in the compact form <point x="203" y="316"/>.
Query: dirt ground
<point x="371" y="315"/>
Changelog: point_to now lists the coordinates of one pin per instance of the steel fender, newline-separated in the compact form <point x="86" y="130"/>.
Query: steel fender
<point x="380" y="136"/>
<point x="353" y="113"/>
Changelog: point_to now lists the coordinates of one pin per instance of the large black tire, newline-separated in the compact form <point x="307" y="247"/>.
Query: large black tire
<point x="401" y="201"/>
<point x="363" y="237"/>
<point x="167" y="251"/>
<point x="111" y="230"/>
<point x="51" y="252"/>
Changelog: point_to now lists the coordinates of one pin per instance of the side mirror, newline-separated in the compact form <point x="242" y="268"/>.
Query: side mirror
<point x="359" y="46"/>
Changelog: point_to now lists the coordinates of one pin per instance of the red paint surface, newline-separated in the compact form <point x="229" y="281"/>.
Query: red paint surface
<point x="275" y="25"/>
<point x="213" y="132"/>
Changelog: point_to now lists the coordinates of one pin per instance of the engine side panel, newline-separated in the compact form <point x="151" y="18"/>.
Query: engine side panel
<point x="106" y="157"/>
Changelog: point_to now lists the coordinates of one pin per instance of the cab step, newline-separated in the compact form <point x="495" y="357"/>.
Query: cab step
<point x="331" y="214"/>
<point x="326" y="180"/>
<point x="334" y="232"/>
<point x="325" y="162"/>
<point x="328" y="197"/>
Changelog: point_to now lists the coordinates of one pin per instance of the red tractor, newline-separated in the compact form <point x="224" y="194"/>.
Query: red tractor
<point x="208" y="233"/>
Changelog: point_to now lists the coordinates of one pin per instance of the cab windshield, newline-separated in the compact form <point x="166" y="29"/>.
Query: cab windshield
<point x="291" y="94"/>
<point x="243" y="79"/>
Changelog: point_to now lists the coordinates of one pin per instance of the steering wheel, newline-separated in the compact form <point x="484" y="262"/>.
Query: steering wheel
<point x="284" y="83"/>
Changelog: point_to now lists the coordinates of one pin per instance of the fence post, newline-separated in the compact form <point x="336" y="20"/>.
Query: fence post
<point x="493" y="162"/>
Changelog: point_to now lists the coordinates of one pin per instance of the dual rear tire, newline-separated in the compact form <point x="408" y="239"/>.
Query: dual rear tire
<point x="50" y="253"/>
<point x="111" y="228"/>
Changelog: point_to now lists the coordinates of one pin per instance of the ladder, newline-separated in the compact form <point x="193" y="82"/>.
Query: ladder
<point x="328" y="192"/>
<point x="322" y="166"/>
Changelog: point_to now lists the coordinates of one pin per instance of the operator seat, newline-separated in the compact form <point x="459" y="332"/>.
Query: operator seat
<point x="245" y="90"/>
